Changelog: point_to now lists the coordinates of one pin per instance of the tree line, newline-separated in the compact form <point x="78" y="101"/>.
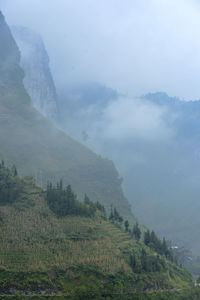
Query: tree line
<point x="150" y="240"/>
<point x="10" y="184"/>
<point x="144" y="262"/>
<point x="117" y="219"/>
<point x="63" y="202"/>
<point x="159" y="246"/>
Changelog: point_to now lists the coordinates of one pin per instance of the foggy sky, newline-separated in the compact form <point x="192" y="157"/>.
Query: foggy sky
<point x="134" y="46"/>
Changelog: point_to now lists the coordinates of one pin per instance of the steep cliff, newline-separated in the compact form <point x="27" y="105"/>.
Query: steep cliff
<point x="38" y="80"/>
<point x="9" y="57"/>
<point x="31" y="142"/>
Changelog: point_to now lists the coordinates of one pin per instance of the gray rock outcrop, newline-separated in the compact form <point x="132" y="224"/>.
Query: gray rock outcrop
<point x="38" y="80"/>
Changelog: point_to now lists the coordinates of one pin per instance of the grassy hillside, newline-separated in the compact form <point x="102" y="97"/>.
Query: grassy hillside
<point x="39" y="149"/>
<point x="42" y="252"/>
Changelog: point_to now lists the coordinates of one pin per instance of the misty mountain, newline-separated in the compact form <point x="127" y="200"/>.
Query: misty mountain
<point x="38" y="79"/>
<point x="162" y="176"/>
<point x="37" y="148"/>
<point x="81" y="105"/>
<point x="85" y="95"/>
<point x="187" y="119"/>
<point x="154" y="142"/>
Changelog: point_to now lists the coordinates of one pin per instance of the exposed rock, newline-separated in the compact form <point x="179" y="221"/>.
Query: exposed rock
<point x="38" y="80"/>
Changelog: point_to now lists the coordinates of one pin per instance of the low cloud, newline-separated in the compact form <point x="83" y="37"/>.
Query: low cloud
<point x="135" y="118"/>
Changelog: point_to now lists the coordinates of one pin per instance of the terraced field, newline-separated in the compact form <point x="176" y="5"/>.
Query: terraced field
<point x="43" y="241"/>
<point x="42" y="252"/>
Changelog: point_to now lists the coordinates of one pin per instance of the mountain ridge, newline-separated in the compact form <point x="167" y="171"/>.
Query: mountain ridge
<point x="41" y="150"/>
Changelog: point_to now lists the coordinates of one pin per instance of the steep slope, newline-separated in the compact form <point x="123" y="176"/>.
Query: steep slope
<point x="39" y="149"/>
<point x="38" y="80"/>
<point x="72" y="254"/>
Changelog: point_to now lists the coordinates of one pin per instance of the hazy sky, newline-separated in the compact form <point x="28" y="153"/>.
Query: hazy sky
<point x="135" y="46"/>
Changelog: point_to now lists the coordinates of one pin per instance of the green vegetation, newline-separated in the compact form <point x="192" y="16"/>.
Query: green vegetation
<point x="64" y="202"/>
<point x="71" y="253"/>
<point x="10" y="185"/>
<point x="152" y="241"/>
<point x="85" y="282"/>
<point x="115" y="217"/>
<point x="185" y="294"/>
<point x="136" y="231"/>
<point x="147" y="263"/>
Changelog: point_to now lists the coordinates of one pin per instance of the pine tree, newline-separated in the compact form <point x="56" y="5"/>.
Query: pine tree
<point x="14" y="170"/>
<point x="147" y="237"/>
<point x="87" y="200"/>
<point x="61" y="185"/>
<point x="126" y="224"/>
<point x="133" y="261"/>
<point x="144" y="260"/>
<point x="121" y="220"/>
<point x="136" y="231"/>
<point x="111" y="217"/>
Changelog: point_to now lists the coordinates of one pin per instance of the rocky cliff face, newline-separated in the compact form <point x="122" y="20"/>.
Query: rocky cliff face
<point x="9" y="57"/>
<point x="38" y="80"/>
<point x="39" y="149"/>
